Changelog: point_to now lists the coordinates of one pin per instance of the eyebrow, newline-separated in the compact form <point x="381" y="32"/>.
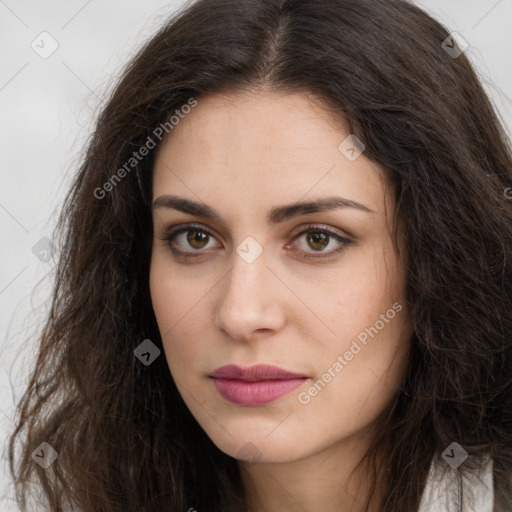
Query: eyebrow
<point x="275" y="215"/>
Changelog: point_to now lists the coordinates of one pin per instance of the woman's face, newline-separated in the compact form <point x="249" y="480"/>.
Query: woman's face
<point x="317" y="292"/>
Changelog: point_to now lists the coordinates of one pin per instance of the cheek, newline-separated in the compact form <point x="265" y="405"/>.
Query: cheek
<point x="177" y="306"/>
<point x="369" y="330"/>
<point x="162" y="296"/>
<point x="170" y="304"/>
<point x="172" y="296"/>
<point x="356" y="380"/>
<point x="355" y="304"/>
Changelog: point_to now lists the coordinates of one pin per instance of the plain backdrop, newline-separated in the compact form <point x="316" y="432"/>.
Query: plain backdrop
<point x="58" y="60"/>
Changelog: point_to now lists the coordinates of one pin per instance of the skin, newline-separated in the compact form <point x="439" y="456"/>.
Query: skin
<point x="243" y="154"/>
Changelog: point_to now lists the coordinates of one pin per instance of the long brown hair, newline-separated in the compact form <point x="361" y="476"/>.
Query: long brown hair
<point x="124" y="437"/>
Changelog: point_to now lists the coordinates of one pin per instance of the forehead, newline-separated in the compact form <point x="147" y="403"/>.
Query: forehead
<point x="263" y="147"/>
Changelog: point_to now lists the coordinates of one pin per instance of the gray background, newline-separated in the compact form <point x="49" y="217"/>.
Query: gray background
<point x="47" y="109"/>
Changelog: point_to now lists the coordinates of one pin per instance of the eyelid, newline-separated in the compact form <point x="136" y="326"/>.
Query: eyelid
<point x="344" y="239"/>
<point x="304" y="228"/>
<point x="172" y="232"/>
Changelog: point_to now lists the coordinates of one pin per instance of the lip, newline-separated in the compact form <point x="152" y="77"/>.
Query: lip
<point x="254" y="385"/>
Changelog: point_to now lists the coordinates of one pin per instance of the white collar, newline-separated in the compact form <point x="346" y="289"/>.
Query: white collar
<point x="444" y="486"/>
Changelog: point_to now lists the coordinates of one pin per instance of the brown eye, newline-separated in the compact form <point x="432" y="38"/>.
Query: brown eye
<point x="322" y="241"/>
<point x="190" y="239"/>
<point x="197" y="239"/>
<point x="313" y="242"/>
<point x="317" y="240"/>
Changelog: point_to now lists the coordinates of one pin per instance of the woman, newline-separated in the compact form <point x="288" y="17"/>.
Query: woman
<point x="285" y="281"/>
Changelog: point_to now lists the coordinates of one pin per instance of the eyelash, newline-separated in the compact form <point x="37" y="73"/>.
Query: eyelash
<point x="172" y="233"/>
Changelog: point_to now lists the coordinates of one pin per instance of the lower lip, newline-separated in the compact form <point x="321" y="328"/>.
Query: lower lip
<point x="255" y="393"/>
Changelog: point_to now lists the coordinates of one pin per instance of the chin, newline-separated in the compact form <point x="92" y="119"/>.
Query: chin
<point x="261" y="448"/>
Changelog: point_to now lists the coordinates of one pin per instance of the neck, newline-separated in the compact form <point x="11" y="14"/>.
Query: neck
<point x="331" y="480"/>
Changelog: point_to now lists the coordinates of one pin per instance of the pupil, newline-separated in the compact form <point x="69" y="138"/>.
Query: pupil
<point x="318" y="238"/>
<point x="196" y="238"/>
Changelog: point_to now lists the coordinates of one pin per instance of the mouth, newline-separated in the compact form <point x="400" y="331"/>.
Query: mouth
<point x="255" y="385"/>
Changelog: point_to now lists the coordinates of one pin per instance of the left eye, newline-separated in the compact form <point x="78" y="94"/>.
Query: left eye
<point x="318" y="239"/>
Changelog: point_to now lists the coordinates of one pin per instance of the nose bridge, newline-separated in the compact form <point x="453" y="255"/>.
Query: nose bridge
<point x="245" y="285"/>
<point x="248" y="301"/>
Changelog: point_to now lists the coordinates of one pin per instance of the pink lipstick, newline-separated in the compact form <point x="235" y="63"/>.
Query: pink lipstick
<point x="255" y="385"/>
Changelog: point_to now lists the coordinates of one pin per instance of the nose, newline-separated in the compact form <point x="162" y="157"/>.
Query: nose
<point x="251" y="303"/>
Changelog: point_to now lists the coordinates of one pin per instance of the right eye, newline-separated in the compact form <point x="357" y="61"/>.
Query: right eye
<point x="191" y="236"/>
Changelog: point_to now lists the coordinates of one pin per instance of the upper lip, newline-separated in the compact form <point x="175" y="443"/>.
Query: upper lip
<point x="254" y="373"/>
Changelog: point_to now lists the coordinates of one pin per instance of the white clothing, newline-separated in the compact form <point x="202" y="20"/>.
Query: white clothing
<point x="443" y="490"/>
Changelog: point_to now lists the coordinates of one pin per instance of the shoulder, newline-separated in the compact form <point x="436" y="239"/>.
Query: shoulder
<point x="452" y="490"/>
